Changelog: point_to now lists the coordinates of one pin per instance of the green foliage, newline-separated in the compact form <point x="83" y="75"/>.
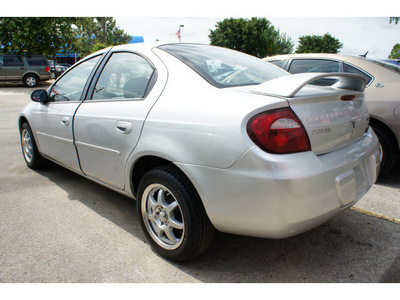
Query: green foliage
<point x="90" y="34"/>
<point x="36" y="35"/>
<point x="318" y="44"/>
<point x="49" y="35"/>
<point x="395" y="53"/>
<point x="394" y="20"/>
<point x="256" y="37"/>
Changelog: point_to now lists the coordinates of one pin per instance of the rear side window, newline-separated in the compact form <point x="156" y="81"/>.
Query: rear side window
<point x="36" y="61"/>
<point x="313" y="65"/>
<point x="13" y="61"/>
<point x="278" y="63"/>
<point x="125" y="76"/>
<point x="350" y="69"/>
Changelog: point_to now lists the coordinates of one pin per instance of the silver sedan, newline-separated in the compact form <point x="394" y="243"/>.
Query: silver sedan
<point x="207" y="138"/>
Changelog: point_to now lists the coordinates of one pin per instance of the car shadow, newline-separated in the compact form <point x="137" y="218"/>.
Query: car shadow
<point x="392" y="179"/>
<point x="337" y="251"/>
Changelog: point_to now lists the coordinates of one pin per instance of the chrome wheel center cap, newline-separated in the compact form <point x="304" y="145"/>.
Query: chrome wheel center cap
<point x="163" y="217"/>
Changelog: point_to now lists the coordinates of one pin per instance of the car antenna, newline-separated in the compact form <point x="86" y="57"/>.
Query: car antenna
<point x="365" y="55"/>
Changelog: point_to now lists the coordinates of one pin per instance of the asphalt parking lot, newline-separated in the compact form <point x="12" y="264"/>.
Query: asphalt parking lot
<point x="56" y="226"/>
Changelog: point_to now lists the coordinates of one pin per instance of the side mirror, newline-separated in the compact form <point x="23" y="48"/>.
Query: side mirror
<point x="40" y="96"/>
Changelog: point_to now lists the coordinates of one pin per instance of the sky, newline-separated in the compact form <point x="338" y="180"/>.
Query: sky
<point x="360" y="25"/>
<point x="358" y="34"/>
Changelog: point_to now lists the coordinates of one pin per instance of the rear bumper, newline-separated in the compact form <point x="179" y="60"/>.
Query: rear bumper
<point x="278" y="196"/>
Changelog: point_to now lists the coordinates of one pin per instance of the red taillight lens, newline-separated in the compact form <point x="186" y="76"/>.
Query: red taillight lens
<point x="47" y="69"/>
<point x="278" y="131"/>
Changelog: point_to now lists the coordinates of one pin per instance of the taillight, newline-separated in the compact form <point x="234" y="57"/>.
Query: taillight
<point x="47" y="69"/>
<point x="278" y="131"/>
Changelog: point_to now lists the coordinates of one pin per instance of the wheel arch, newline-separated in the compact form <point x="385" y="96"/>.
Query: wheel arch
<point x="377" y="123"/>
<point x="144" y="164"/>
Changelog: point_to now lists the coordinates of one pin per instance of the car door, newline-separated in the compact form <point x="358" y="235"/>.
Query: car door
<point x="54" y="119"/>
<point x="108" y="125"/>
<point x="14" y="67"/>
<point x="2" y="69"/>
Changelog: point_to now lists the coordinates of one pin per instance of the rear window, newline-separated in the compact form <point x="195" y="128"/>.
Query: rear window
<point x="224" y="67"/>
<point x="36" y="61"/>
<point x="389" y="66"/>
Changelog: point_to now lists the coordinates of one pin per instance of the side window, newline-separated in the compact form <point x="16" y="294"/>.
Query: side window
<point x="1" y="60"/>
<point x="278" y="63"/>
<point x="313" y="65"/>
<point x="349" y="69"/>
<point x="71" y="85"/>
<point x="36" y="61"/>
<point x="125" y="76"/>
<point x="13" y="61"/>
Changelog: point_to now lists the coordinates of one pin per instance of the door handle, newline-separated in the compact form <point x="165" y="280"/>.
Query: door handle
<point x="65" y="121"/>
<point x="124" y="127"/>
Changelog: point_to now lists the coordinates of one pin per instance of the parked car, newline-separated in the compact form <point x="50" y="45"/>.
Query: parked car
<point x="392" y="61"/>
<point x="381" y="94"/>
<point x="206" y="137"/>
<point x="56" y="68"/>
<point x="29" y="69"/>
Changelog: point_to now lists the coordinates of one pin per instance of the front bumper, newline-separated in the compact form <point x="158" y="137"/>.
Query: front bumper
<point x="278" y="196"/>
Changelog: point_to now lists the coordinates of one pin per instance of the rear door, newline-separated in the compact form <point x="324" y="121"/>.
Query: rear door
<point x="14" y="67"/>
<point x="54" y="119"/>
<point x="108" y="125"/>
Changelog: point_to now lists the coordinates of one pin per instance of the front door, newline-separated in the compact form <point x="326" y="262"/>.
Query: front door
<point x="2" y="68"/>
<point x="54" y="119"/>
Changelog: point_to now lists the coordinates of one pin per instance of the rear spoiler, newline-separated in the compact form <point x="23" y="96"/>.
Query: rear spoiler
<point x="288" y="86"/>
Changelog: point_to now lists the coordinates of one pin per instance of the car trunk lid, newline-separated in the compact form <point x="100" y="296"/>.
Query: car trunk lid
<point x="333" y="117"/>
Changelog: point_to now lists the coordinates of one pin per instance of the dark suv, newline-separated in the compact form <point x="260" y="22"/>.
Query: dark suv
<point x="30" y="69"/>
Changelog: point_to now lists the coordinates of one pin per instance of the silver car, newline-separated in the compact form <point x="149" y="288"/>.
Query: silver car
<point x="207" y="138"/>
<point x="381" y="93"/>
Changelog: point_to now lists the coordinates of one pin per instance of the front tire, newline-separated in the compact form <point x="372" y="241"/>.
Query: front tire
<point x="31" y="80"/>
<point x="31" y="154"/>
<point x="172" y="214"/>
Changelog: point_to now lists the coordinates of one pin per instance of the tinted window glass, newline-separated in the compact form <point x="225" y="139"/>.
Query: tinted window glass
<point x="278" y="63"/>
<point x="126" y="75"/>
<point x="13" y="61"/>
<point x="1" y="60"/>
<point x="313" y="65"/>
<point x="349" y="69"/>
<point x="36" y="61"/>
<point x="224" y="67"/>
<point x="389" y="66"/>
<point x="71" y="85"/>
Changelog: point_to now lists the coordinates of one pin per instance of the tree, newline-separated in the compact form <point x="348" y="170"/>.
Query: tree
<point x="394" y="20"/>
<point x="256" y="37"/>
<point x="395" y="53"/>
<point x="93" y="32"/>
<point x="318" y="44"/>
<point x="49" y="35"/>
<point x="36" y="35"/>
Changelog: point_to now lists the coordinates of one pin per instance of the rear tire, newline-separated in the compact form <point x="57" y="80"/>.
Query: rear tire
<point x="388" y="150"/>
<point x="172" y="215"/>
<point x="31" y="154"/>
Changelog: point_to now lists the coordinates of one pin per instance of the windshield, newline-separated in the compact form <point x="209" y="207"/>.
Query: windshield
<point x="387" y="65"/>
<point x="224" y="67"/>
